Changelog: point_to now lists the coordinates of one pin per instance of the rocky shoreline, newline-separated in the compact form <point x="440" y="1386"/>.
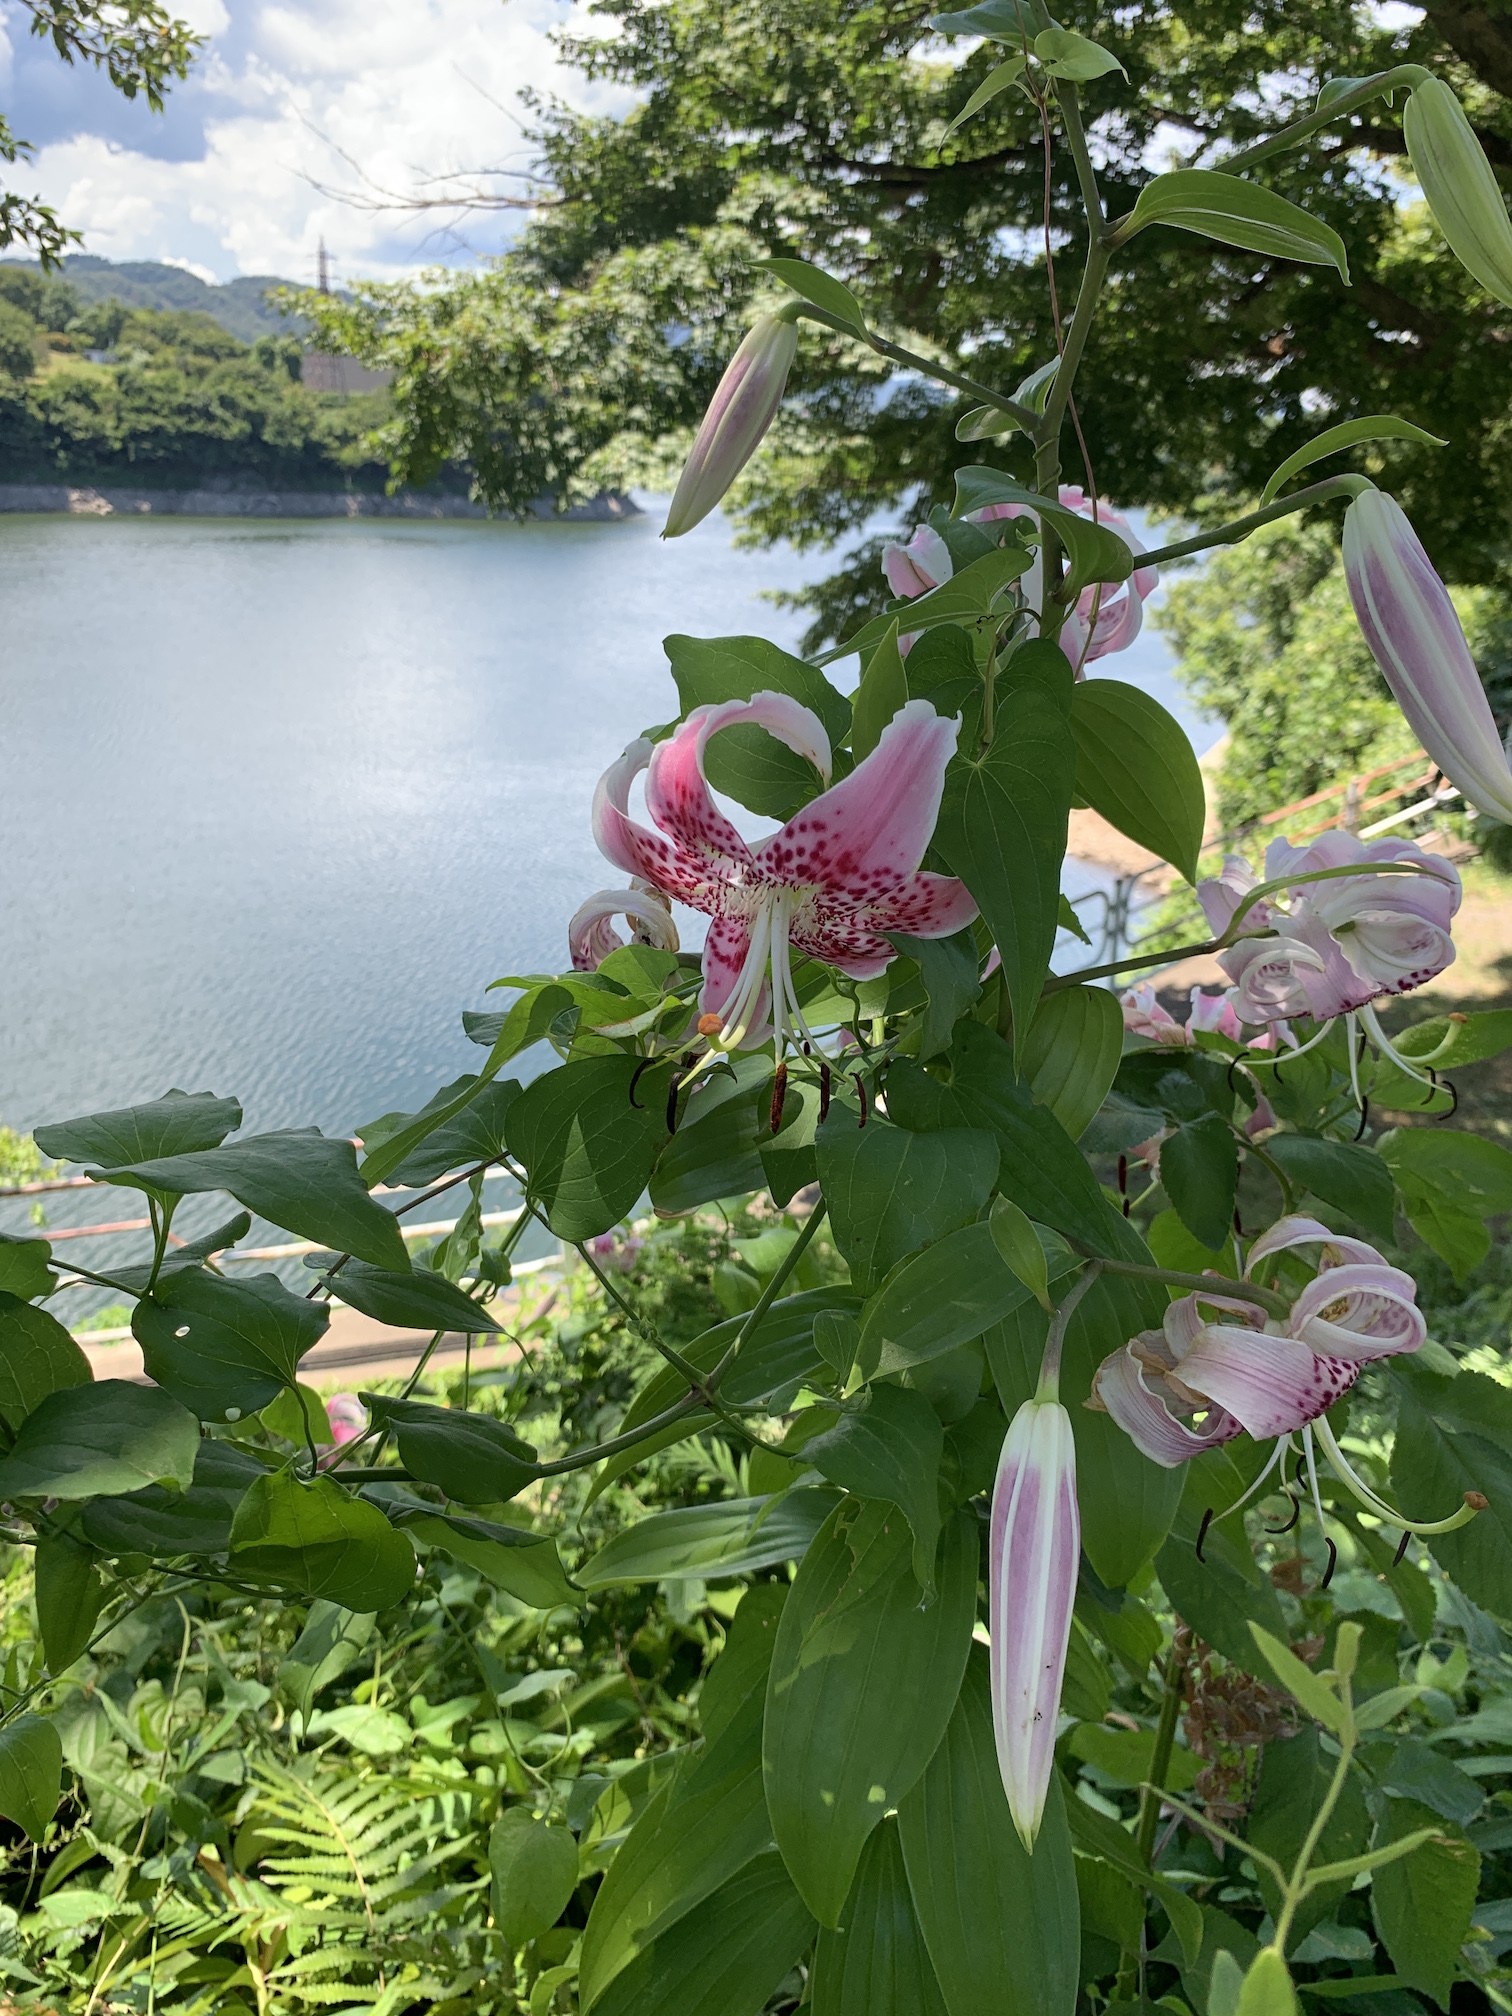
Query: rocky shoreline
<point x="245" y="501"/>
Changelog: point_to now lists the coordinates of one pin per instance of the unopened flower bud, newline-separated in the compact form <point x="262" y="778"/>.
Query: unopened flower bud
<point x="742" y="409"/>
<point x="1415" y="637"/>
<point x="1462" y="192"/>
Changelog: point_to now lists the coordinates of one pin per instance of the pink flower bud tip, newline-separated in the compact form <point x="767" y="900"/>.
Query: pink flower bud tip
<point x="743" y="407"/>
<point x="1035" y="1548"/>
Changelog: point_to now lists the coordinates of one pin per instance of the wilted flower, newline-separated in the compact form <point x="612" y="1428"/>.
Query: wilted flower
<point x="591" y="937"/>
<point x="1034" y="1554"/>
<point x="744" y="405"/>
<point x="1462" y="192"/>
<point x="1143" y="1015"/>
<point x="1108" y="615"/>
<point x="1414" y="635"/>
<point x="842" y="872"/>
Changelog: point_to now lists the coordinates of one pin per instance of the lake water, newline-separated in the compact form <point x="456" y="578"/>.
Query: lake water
<point x="280" y="799"/>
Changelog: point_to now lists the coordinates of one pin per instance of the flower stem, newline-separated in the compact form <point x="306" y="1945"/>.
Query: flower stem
<point x="1165" y="1740"/>
<point x="1049" y="1377"/>
<point x="1020" y="415"/>
<point x="1241" y="528"/>
<point x="1268" y="1299"/>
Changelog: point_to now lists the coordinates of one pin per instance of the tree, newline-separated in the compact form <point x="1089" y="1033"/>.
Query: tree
<point x="138" y="44"/>
<point x="584" y="355"/>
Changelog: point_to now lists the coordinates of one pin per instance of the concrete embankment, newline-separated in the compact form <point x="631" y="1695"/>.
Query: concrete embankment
<point x="245" y="501"/>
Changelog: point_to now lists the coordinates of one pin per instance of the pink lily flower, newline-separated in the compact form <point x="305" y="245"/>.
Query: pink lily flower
<point x="1213" y="1015"/>
<point x="1034" y="1551"/>
<point x="1143" y="1015"/>
<point x="838" y="875"/>
<point x="1409" y="622"/>
<point x="919" y="566"/>
<point x="1108" y="615"/>
<point x="591" y="937"/>
<point x="744" y="405"/>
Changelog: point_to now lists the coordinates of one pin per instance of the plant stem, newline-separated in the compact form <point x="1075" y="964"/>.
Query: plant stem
<point x="1165" y="1739"/>
<point x="1167" y="958"/>
<point x="1404" y="75"/>
<point x="1241" y="528"/>
<point x="1049" y="1374"/>
<point x="1295" y="1887"/>
<point x="1021" y="416"/>
<point x="1269" y="1299"/>
<point x="769" y="1294"/>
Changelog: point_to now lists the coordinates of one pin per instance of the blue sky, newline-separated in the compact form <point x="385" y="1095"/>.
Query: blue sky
<point x="223" y="181"/>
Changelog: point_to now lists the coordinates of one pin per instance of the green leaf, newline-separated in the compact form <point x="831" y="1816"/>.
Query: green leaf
<point x="1093" y="553"/>
<point x="1267" y="1987"/>
<point x="70" y="1596"/>
<point x="997" y="81"/>
<point x="717" y="1153"/>
<point x="968" y="598"/>
<point x="168" y="1523"/>
<point x="333" y="1639"/>
<point x="31" y="1773"/>
<point x="24" y="1268"/>
<point x="587" y="1149"/>
<point x="1449" y="1181"/>
<point x="225" y="1348"/>
<point x="883" y="690"/>
<point x="296" y="1178"/>
<point x="998" y="20"/>
<point x="37" y="1357"/>
<point x="1136" y="767"/>
<point x="1422" y="1903"/>
<point x="1413" y="1771"/>
<point x="535" y="1871"/>
<point x="411" y="1301"/>
<point x="862" y="1684"/>
<point x="1215" y="1596"/>
<point x="710" y="669"/>
<point x="877" y="1964"/>
<point x="1003" y="819"/>
<point x="1095" y="1834"/>
<point x="1072" y="1055"/>
<point x="1453" y="1040"/>
<point x="1019" y="1245"/>
<point x="725" y="1959"/>
<point x="1001" y="1926"/>
<point x="736" y="1682"/>
<point x="888" y="1445"/>
<point x="525" y="1565"/>
<point x="176" y="1124"/>
<point x="1236" y="212"/>
<point x="92" y="1441"/>
<point x="1126" y="1756"/>
<point x="1370" y="427"/>
<point x="316" y="1538"/>
<point x="1065" y="54"/>
<point x="1174" y="1246"/>
<point x="949" y="1294"/>
<point x="474" y="1459"/>
<point x="818" y="287"/>
<point x="1294" y="1779"/>
<point x="890" y="1192"/>
<point x="474" y="1135"/>
<point x="948" y="970"/>
<point x="1353" y="1179"/>
<point x="1307" y="1688"/>
<point x="185" y="1259"/>
<point x="713" y="1542"/>
<point x="1431" y="1470"/>
<point x="1199" y="1170"/>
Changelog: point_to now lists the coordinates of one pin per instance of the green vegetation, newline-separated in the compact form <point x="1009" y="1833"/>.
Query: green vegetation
<point x="99" y="392"/>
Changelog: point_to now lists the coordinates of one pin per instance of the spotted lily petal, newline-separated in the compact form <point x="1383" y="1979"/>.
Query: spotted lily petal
<point x="1120" y="1388"/>
<point x="1269" y="1384"/>
<point x="1359" y="1313"/>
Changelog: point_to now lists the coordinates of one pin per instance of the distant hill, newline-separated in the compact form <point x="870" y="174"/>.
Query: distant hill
<point x="239" y="305"/>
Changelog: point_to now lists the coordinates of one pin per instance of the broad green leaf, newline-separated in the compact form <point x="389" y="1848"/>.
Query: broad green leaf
<point x="474" y="1135"/>
<point x="1111" y="1906"/>
<point x="716" y="1154"/>
<point x="1294" y="1778"/>
<point x="1214" y="1595"/>
<point x="316" y="1538"/>
<point x="1348" y="434"/>
<point x="883" y="690"/>
<point x="185" y="1259"/>
<point x="725" y="1959"/>
<point x="1127" y="1755"/>
<point x="176" y="1124"/>
<point x="1175" y="1247"/>
<point x="1353" y="1179"/>
<point x="332" y="1640"/>
<point x="710" y="669"/>
<point x="1019" y="1245"/>
<point x="890" y="1192"/>
<point x="167" y="1523"/>
<point x="297" y="1178"/>
<point x="1422" y="1903"/>
<point x="535" y="1871"/>
<point x="1267" y="1987"/>
<point x="1136" y="767"/>
<point x="996" y="82"/>
<point x="948" y="968"/>
<point x="472" y="1457"/>
<point x="587" y="1149"/>
<point x="1449" y="1180"/>
<point x="24" y="1268"/>
<point x="1307" y="1688"/>
<point x="888" y="1444"/>
<point x="713" y="1542"/>
<point x="1095" y="1834"/>
<point x="818" y="287"/>
<point x="1413" y="1771"/>
<point x="299" y="1416"/>
<point x="1093" y="553"/>
<point x="862" y="1684"/>
<point x="525" y="1565"/>
<point x="411" y="1301"/>
<point x="97" y="1440"/>
<point x="736" y="1682"/>
<point x="37" y="1357"/>
<point x="1002" y="1926"/>
<point x="998" y="20"/>
<point x="1452" y="1040"/>
<point x="31" y="1773"/>
<point x="70" y="1596"/>
<point x="1003" y="819"/>
<point x="1065" y="54"/>
<point x="225" y="1348"/>
<point x="789" y="1160"/>
<point x="1072" y="1055"/>
<point x="877" y="1964"/>
<point x="1199" y="1171"/>
<point x="1431" y="1470"/>
<point x="969" y="598"/>
<point x="1088" y="1689"/>
<point x="943" y="1297"/>
<point x="1236" y="212"/>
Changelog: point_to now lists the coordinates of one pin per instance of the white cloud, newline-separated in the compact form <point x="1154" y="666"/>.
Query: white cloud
<point x="226" y="182"/>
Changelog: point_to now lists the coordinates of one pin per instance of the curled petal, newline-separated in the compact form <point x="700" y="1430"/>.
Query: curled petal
<point x="591" y="936"/>
<point x="1298" y="1230"/>
<point x="1121" y="1389"/>
<point x="1270" y="1385"/>
<point x="677" y="795"/>
<point x="1359" y="1313"/>
<point x="640" y="852"/>
<point x="1143" y="1015"/>
<point x="922" y="564"/>
<point x="1220" y="895"/>
<point x="1184" y="1321"/>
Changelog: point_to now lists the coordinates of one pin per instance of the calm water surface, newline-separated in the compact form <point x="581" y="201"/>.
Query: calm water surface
<point x="281" y="799"/>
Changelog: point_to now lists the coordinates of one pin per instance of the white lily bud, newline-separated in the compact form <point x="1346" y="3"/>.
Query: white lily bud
<point x="1462" y="192"/>
<point x="744" y="405"/>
